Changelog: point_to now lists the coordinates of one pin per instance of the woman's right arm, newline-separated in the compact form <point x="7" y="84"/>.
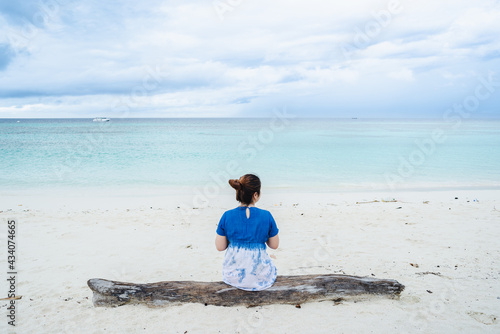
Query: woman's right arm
<point x="220" y="243"/>
<point x="273" y="242"/>
<point x="221" y="239"/>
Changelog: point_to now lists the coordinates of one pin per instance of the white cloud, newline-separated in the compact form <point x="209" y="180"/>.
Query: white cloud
<point x="261" y="52"/>
<point x="403" y="74"/>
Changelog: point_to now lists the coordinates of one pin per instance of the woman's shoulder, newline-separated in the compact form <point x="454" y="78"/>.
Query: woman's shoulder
<point x="233" y="211"/>
<point x="264" y="212"/>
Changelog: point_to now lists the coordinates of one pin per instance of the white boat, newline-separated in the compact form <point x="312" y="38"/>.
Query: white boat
<point x="101" y="119"/>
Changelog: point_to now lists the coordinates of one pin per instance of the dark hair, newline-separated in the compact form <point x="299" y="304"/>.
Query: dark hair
<point x="246" y="186"/>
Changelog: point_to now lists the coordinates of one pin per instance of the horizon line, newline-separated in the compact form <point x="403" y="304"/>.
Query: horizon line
<point x="257" y="117"/>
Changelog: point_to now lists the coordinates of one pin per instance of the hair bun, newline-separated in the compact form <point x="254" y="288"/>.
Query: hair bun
<point x="235" y="184"/>
<point x="246" y="187"/>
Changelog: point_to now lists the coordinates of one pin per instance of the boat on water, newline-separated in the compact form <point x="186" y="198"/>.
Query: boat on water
<point x="101" y="119"/>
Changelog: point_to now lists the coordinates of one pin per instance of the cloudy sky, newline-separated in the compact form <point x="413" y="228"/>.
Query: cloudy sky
<point x="242" y="58"/>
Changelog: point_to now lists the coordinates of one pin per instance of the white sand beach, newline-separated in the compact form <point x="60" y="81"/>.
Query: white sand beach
<point x="444" y="250"/>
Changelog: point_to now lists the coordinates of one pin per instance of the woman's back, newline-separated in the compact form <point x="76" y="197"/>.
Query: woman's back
<point x="243" y="232"/>
<point x="257" y="228"/>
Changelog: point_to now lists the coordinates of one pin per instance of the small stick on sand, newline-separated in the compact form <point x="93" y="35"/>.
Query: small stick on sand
<point x="12" y="298"/>
<point x="376" y="201"/>
<point x="429" y="273"/>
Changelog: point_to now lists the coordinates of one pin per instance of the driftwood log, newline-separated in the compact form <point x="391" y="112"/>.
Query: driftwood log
<point x="286" y="290"/>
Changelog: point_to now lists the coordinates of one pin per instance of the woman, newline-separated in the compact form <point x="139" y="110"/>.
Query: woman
<point x="244" y="232"/>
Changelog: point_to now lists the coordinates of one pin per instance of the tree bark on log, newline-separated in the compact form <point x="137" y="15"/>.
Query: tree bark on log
<point x="286" y="290"/>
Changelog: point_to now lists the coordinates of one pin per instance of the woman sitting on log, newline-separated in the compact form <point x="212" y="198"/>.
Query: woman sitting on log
<point x="244" y="232"/>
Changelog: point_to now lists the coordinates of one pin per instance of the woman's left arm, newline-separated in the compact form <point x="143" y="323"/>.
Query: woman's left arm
<point x="220" y="243"/>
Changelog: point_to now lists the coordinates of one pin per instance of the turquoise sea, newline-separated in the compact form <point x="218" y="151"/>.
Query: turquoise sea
<point x="288" y="154"/>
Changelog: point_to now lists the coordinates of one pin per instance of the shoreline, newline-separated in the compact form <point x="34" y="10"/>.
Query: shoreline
<point x="105" y="198"/>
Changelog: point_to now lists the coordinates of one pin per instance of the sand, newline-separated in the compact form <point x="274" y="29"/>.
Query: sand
<point x="444" y="250"/>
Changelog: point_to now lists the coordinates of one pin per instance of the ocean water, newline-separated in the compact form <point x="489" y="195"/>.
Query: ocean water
<point x="288" y="154"/>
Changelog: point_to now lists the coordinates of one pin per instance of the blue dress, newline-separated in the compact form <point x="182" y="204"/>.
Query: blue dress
<point x="247" y="265"/>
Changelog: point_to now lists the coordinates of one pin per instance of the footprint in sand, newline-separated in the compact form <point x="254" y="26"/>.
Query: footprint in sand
<point x="484" y="318"/>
